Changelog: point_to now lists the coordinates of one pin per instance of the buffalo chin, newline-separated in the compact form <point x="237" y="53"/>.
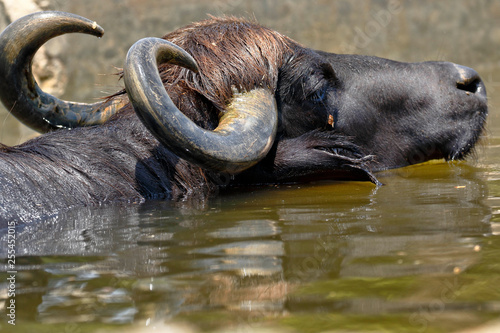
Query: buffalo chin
<point x="465" y="146"/>
<point x="462" y="152"/>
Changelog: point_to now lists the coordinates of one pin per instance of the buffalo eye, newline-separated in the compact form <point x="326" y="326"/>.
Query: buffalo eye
<point x="319" y="95"/>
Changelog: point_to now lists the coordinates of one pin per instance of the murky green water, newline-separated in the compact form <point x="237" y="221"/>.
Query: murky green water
<point x="419" y="254"/>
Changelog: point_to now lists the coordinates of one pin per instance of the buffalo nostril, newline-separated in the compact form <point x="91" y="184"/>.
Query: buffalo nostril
<point x="469" y="80"/>
<point x="469" y="86"/>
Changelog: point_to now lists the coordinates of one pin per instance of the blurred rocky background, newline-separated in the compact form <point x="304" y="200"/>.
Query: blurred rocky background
<point x="81" y="68"/>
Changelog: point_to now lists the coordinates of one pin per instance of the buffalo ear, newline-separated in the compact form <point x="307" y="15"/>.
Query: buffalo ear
<point x="318" y="155"/>
<point x="329" y="73"/>
<point x="244" y="135"/>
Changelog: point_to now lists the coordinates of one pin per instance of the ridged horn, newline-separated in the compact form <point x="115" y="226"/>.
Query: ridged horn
<point x="19" y="91"/>
<point x="244" y="135"/>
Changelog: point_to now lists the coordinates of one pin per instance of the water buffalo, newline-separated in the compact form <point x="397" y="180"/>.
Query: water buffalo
<point x="223" y="101"/>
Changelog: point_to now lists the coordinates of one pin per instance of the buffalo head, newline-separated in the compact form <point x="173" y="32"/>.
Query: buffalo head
<point x="401" y="113"/>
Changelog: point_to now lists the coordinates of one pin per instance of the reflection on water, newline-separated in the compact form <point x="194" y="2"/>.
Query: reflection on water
<point x="412" y="252"/>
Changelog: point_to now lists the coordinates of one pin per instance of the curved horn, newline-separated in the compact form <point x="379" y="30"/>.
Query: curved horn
<point x="244" y="135"/>
<point x="19" y="91"/>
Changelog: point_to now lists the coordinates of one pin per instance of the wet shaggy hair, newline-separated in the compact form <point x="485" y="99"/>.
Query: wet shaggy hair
<point x="230" y="52"/>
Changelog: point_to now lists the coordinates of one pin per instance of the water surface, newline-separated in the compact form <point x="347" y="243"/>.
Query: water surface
<point x="418" y="254"/>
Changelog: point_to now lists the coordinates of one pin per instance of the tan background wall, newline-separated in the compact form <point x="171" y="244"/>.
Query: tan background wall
<point x="78" y="67"/>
